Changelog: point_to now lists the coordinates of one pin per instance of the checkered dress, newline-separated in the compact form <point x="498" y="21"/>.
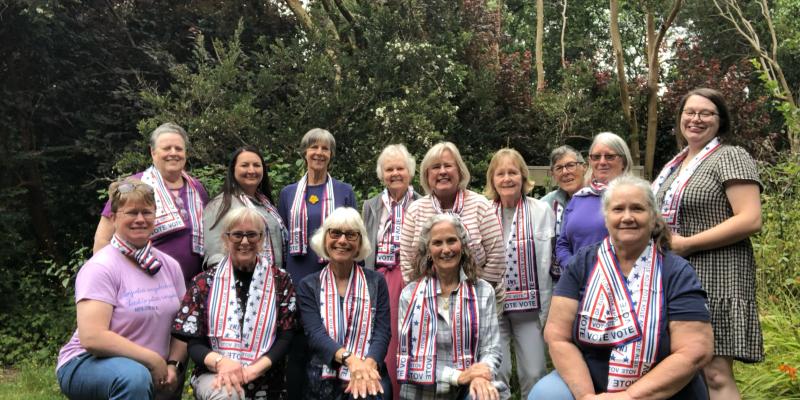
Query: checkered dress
<point x="727" y="273"/>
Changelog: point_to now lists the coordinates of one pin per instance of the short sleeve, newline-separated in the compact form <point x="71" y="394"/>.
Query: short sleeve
<point x="736" y="164"/>
<point x="190" y="322"/>
<point x="686" y="299"/>
<point x="96" y="281"/>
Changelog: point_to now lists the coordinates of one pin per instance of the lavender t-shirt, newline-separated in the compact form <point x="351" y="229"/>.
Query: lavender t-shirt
<point x="144" y="305"/>
<point x="177" y="244"/>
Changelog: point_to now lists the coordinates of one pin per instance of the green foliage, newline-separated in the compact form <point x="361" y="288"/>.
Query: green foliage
<point x="30" y="380"/>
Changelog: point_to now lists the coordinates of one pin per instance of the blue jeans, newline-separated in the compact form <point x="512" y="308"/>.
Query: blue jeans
<point x="87" y="377"/>
<point x="551" y="387"/>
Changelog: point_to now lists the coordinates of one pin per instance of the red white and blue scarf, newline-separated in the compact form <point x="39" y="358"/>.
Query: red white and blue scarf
<point x="242" y="334"/>
<point x="623" y="313"/>
<point x="594" y="188"/>
<point x="168" y="217"/>
<point x="522" y="293"/>
<point x="672" y="197"/>
<point x="458" y="204"/>
<point x="268" y="250"/>
<point x="388" y="245"/>
<point x="416" y="355"/>
<point x="298" y="215"/>
<point x="144" y="257"/>
<point x="348" y="323"/>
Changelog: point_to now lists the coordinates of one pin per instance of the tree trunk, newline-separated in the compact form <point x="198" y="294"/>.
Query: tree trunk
<point x="563" y="32"/>
<point x="624" y="96"/>
<point x="539" y="45"/>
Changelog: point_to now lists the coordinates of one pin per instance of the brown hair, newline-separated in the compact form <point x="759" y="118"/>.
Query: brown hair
<point x="141" y="193"/>
<point x="722" y="111"/>
<point x="423" y="264"/>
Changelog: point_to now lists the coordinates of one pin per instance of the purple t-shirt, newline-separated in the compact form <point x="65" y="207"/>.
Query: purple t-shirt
<point x="144" y="305"/>
<point x="177" y="244"/>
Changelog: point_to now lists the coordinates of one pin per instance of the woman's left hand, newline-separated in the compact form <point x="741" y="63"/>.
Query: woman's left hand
<point x="364" y="378"/>
<point x="171" y="383"/>
<point x="482" y="389"/>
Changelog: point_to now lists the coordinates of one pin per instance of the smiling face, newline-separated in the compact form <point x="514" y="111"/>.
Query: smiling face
<point x="507" y="180"/>
<point x="248" y="171"/>
<point x="443" y="176"/>
<point x="444" y="247"/>
<point x="243" y="254"/>
<point x="318" y="157"/>
<point x="169" y="153"/>
<point x="396" y="176"/>
<point x="696" y="130"/>
<point x="341" y="249"/>
<point x="605" y="170"/>
<point x="629" y="219"/>
<point x="569" y="180"/>
<point x="134" y="222"/>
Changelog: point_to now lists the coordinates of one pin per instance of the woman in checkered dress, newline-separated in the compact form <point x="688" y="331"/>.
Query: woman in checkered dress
<point x="710" y="196"/>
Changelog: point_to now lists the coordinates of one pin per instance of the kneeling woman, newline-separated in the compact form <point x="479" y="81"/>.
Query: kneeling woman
<point x="127" y="295"/>
<point x="345" y="312"/>
<point x="238" y="317"/>
<point x="628" y="316"/>
<point x="449" y="334"/>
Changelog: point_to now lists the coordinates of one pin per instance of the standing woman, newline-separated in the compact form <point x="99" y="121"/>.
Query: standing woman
<point x="246" y="185"/>
<point x="304" y="206"/>
<point x="568" y="168"/>
<point x="383" y="216"/>
<point x="710" y="197"/>
<point x="582" y="224"/>
<point x="528" y="229"/>
<point x="449" y="338"/>
<point x="127" y="295"/>
<point x="444" y="178"/>
<point x="180" y="200"/>
<point x="345" y="312"/>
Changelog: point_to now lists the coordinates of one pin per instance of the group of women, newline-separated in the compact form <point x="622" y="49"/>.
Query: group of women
<point x="426" y="296"/>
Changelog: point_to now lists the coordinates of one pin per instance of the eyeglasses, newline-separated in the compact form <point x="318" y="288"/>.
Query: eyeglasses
<point x="705" y="114"/>
<point x="238" y="236"/>
<point x="147" y="214"/>
<point x="351" y="236"/>
<point x="608" y="157"/>
<point x="569" y="167"/>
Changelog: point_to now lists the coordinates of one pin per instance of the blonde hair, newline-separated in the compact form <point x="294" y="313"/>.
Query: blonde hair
<point x="527" y="184"/>
<point x="434" y="154"/>
<point x="141" y="193"/>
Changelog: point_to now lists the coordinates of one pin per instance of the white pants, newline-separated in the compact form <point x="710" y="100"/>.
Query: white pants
<point x="203" y="386"/>
<point x="523" y="330"/>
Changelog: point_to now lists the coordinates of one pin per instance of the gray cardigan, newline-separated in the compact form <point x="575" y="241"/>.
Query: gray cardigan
<point x="371" y="213"/>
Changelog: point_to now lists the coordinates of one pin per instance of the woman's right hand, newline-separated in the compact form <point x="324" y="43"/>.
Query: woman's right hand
<point x="477" y="370"/>
<point x="230" y="374"/>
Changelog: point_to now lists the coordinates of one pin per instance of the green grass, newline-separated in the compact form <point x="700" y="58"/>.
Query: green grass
<point x="29" y="381"/>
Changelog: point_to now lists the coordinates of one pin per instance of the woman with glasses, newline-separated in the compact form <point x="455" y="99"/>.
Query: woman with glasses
<point x="567" y="168"/>
<point x="126" y="297"/>
<point x="180" y="200"/>
<point x="238" y="317"/>
<point x="709" y="194"/>
<point x="582" y="223"/>
<point x="444" y="178"/>
<point x="345" y="313"/>
<point x="246" y="185"/>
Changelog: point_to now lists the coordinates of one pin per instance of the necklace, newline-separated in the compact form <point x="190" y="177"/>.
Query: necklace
<point x="445" y="302"/>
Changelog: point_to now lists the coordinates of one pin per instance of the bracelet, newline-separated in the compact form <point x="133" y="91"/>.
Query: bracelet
<point x="217" y="360"/>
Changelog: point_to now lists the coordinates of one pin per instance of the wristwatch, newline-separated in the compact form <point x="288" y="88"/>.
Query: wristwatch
<point x="178" y="365"/>
<point x="345" y="356"/>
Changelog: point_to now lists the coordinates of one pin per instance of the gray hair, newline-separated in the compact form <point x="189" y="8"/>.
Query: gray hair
<point x="661" y="233"/>
<point x="396" y="150"/>
<point x="243" y="214"/>
<point x="422" y="264"/>
<point x="562" y="151"/>
<point x="341" y="218"/>
<point x="619" y="146"/>
<point x="316" y="135"/>
<point x="168" y="127"/>
<point x="434" y="154"/>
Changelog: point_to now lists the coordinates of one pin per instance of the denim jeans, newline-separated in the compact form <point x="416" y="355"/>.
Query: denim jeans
<point x="87" y="377"/>
<point x="551" y="387"/>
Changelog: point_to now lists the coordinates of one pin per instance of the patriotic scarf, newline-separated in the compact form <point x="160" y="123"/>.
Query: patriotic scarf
<point x="522" y="293"/>
<point x="624" y="314"/>
<point x="168" y="217"/>
<point x="389" y="242"/>
<point x="672" y="197"/>
<point x="242" y="335"/>
<point x="555" y="267"/>
<point x="458" y="204"/>
<point x="298" y="216"/>
<point x="348" y="323"/>
<point x="269" y="253"/>
<point x="595" y="188"/>
<point x="144" y="257"/>
<point x="416" y="355"/>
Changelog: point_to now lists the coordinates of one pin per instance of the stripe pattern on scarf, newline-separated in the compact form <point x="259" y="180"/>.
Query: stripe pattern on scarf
<point x="624" y="314"/>
<point x="268" y="250"/>
<point x="240" y="334"/>
<point x="416" y="355"/>
<point x="674" y="194"/>
<point x="298" y="215"/>
<point x="168" y="217"/>
<point x="522" y="280"/>
<point x="349" y="323"/>
<point x="594" y="188"/>
<point x="143" y="257"/>
<point x="458" y="204"/>
<point x="388" y="247"/>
